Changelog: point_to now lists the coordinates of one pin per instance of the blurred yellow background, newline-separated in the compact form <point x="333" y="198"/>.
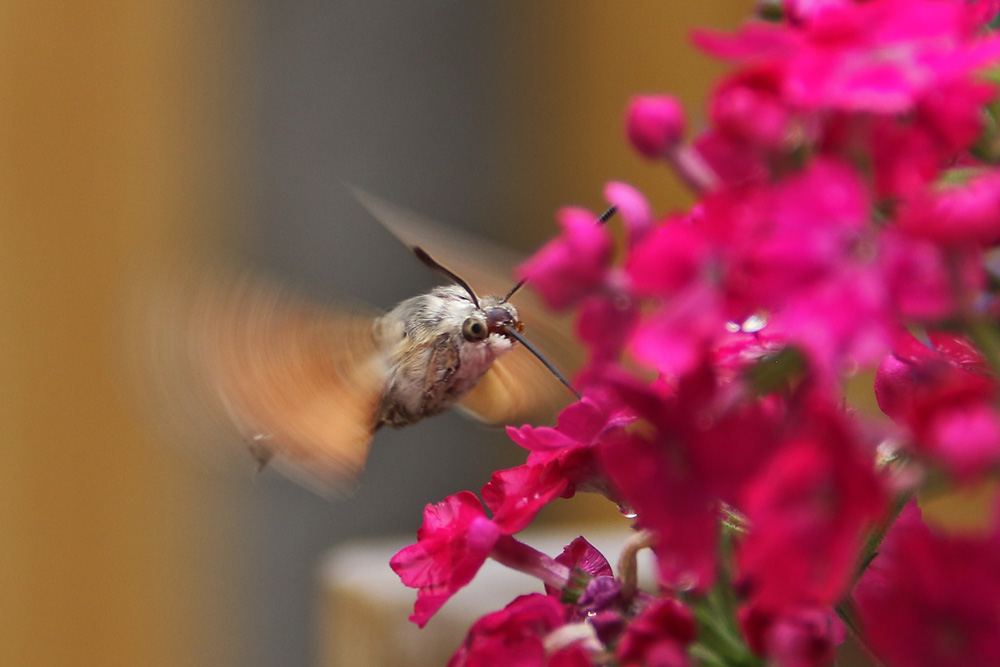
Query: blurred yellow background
<point x="135" y="132"/>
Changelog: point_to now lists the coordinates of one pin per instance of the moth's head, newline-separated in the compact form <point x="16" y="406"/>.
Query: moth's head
<point x="491" y="315"/>
<point x="500" y="315"/>
<point x="453" y="307"/>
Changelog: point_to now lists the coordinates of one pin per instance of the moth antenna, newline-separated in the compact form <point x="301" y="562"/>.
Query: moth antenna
<point x="514" y="333"/>
<point x="433" y="263"/>
<point x="607" y="215"/>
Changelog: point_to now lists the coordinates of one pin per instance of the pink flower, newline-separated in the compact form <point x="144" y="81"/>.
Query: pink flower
<point x="962" y="214"/>
<point x="673" y="340"/>
<point x="659" y="635"/>
<point x="454" y="541"/>
<point x="929" y="600"/>
<point x="581" y="555"/>
<point x="569" y="449"/>
<point x="633" y="210"/>
<point x="671" y="258"/>
<point x="572" y="265"/>
<point x="747" y="108"/>
<point x="594" y="585"/>
<point x="921" y="276"/>
<point x="795" y="637"/>
<point x="699" y="445"/>
<point x="946" y="398"/>
<point x="513" y="636"/>
<point x="808" y="512"/>
<point x="516" y="495"/>
<point x="839" y="202"/>
<point x="809" y="10"/>
<point x="881" y="56"/>
<point x="654" y="124"/>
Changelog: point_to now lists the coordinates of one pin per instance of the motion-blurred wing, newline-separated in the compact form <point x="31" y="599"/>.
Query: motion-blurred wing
<point x="518" y="387"/>
<point x="300" y="383"/>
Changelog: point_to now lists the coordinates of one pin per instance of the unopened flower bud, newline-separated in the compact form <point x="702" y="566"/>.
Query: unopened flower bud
<point x="654" y="124"/>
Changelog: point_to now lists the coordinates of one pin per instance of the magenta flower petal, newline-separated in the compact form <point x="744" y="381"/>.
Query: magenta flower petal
<point x="931" y="600"/>
<point x="658" y="636"/>
<point x="946" y="398"/>
<point x="962" y="214"/>
<point x="513" y="636"/>
<point x="581" y="554"/>
<point x="516" y="495"/>
<point x="667" y="260"/>
<point x="452" y="544"/>
<point x="572" y="265"/>
<point x="633" y="207"/>
<point x="798" y="636"/>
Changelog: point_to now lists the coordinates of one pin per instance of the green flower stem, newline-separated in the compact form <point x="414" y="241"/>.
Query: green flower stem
<point x="706" y="656"/>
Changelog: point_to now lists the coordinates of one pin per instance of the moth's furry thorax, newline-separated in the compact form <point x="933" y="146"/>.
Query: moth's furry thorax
<point x="431" y="365"/>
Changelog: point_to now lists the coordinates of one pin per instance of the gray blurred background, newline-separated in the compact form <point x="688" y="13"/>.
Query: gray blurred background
<point x="404" y="100"/>
<point x="140" y="133"/>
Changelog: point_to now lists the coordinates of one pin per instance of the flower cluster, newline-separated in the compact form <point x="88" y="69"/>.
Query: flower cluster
<point x="845" y="227"/>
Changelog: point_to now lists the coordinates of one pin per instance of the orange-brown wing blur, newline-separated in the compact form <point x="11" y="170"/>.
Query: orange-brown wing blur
<point x="518" y="388"/>
<point x="300" y="383"/>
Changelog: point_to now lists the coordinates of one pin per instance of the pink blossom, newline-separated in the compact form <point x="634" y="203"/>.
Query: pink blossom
<point x="795" y="637"/>
<point x="930" y="600"/>
<point x="839" y="207"/>
<point x="944" y="396"/>
<point x="513" y="636"/>
<point x="808" y="511"/>
<point x="572" y="265"/>
<point x="963" y="214"/>
<point x="747" y="108"/>
<point x="516" y="495"/>
<point x="659" y="635"/>
<point x="654" y="124"/>
<point x="596" y="586"/>
<point x="698" y="445"/>
<point x="919" y="276"/>
<point x="671" y="258"/>
<point x="633" y="209"/>
<point x="581" y="555"/>
<point x="455" y="540"/>
<point x="810" y="10"/>
<point x="880" y="56"/>
<point x="452" y="544"/>
<point x="570" y="447"/>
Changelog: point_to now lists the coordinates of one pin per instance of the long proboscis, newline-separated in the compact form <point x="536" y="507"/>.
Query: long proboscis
<point x="515" y="334"/>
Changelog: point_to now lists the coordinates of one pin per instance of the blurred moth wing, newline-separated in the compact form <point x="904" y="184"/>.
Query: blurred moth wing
<point x="298" y="382"/>
<point x="303" y="384"/>
<point x="517" y="388"/>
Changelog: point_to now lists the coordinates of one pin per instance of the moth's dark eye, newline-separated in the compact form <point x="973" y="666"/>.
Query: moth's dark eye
<point x="474" y="330"/>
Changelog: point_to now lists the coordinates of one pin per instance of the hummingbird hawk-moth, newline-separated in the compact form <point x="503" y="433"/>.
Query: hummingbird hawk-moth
<point x="307" y="385"/>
